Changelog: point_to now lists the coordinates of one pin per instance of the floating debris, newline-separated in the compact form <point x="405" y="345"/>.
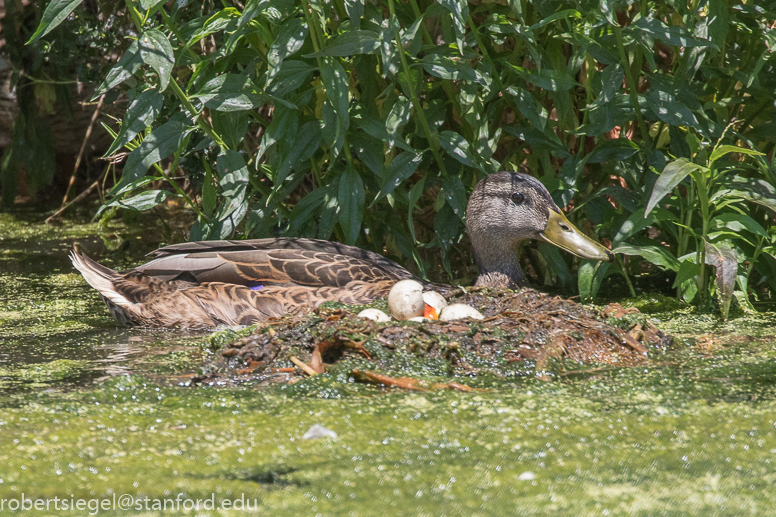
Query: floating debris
<point x="318" y="431"/>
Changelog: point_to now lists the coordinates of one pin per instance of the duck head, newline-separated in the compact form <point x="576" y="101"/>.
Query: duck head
<point x="507" y="208"/>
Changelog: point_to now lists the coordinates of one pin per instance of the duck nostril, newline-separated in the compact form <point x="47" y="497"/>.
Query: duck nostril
<point x="565" y="227"/>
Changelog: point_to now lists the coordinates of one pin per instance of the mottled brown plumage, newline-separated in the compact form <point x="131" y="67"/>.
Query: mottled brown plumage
<point x="205" y="284"/>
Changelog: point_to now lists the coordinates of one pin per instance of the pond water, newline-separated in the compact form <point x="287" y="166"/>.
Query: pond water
<point x="94" y="411"/>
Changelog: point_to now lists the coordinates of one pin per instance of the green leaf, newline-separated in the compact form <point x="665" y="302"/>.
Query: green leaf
<point x="224" y="20"/>
<point x="457" y="147"/>
<point x="148" y="4"/>
<point x="335" y="80"/>
<point x="230" y="92"/>
<point x="591" y="275"/>
<point x="547" y="79"/>
<point x="161" y="143"/>
<point x="415" y="193"/>
<point x="671" y="111"/>
<point x="688" y="269"/>
<point x="725" y="260"/>
<point x="306" y="143"/>
<point x="289" y="40"/>
<point x="351" y="200"/>
<point x="349" y="44"/>
<point x="141" y="113"/>
<point x="460" y="12"/>
<point x="446" y="227"/>
<point x="253" y="9"/>
<point x="723" y="150"/>
<point x="291" y="75"/>
<point x="129" y="63"/>
<point x="402" y="167"/>
<point x="750" y="189"/>
<point x="156" y="52"/>
<point x="673" y="35"/>
<point x="145" y="201"/>
<point x="306" y="209"/>
<point x="657" y="255"/>
<point x="556" y="263"/>
<point x="455" y="195"/>
<point x="637" y="221"/>
<point x="672" y="175"/>
<point x="737" y="223"/>
<point x="208" y="194"/>
<point x="611" y="83"/>
<point x="56" y="11"/>
<point x="529" y="107"/>
<point x="330" y="210"/>
<point x="546" y="140"/>
<point x="719" y="21"/>
<point x="613" y="150"/>
<point x="231" y="126"/>
<point x="284" y="123"/>
<point x="446" y="68"/>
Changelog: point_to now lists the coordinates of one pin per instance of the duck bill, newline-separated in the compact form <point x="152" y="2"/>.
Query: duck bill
<point x="566" y="236"/>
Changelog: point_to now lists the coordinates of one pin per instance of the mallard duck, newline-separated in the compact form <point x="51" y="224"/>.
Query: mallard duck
<point x="211" y="283"/>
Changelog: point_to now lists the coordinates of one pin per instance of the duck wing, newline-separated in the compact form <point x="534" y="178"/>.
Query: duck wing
<point x="274" y="262"/>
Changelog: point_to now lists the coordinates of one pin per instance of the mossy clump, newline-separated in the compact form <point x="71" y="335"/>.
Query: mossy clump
<point x="521" y="332"/>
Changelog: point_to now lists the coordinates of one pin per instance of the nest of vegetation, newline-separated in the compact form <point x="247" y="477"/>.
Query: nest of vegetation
<point x="521" y="331"/>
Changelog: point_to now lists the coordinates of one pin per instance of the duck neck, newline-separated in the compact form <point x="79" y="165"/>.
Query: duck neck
<point x="500" y="267"/>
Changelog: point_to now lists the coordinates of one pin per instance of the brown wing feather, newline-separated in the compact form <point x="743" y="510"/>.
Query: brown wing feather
<point x="289" y="262"/>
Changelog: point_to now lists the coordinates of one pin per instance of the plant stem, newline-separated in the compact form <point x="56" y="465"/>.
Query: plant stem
<point x="632" y="89"/>
<point x="203" y="125"/>
<point x="183" y="194"/>
<point x="621" y="265"/>
<point x="430" y="136"/>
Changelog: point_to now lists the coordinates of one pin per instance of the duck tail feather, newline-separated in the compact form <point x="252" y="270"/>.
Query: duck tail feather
<point x="101" y="278"/>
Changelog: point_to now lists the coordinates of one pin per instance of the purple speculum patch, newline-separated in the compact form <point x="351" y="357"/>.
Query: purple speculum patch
<point x="256" y="287"/>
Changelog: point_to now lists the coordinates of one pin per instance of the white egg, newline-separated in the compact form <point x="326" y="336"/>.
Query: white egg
<point x="435" y="300"/>
<point x="459" y="311"/>
<point x="406" y="300"/>
<point x="375" y="315"/>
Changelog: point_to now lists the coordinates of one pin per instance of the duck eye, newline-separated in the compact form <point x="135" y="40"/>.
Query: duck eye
<point x="518" y="198"/>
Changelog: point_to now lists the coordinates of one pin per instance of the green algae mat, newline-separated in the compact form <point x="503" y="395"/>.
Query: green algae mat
<point x="114" y="420"/>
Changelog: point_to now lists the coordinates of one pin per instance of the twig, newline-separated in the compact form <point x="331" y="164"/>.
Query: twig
<point x="78" y="198"/>
<point x="95" y="115"/>
<point x="309" y="371"/>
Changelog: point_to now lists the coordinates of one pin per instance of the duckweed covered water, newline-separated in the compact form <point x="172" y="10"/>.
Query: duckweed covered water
<point x="91" y="410"/>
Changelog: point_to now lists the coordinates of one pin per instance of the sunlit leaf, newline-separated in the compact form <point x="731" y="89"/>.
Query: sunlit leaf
<point x="141" y="113"/>
<point x="351" y="43"/>
<point x="402" y="167"/>
<point x="657" y="255"/>
<point x="129" y="63"/>
<point x="672" y="175"/>
<point x="230" y="92"/>
<point x="145" y="201"/>
<point x="161" y="143"/>
<point x="351" y="200"/>
<point x="156" y="52"/>
<point x="56" y="11"/>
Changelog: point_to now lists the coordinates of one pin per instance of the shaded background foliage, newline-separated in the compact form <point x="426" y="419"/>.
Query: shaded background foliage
<point x="652" y="123"/>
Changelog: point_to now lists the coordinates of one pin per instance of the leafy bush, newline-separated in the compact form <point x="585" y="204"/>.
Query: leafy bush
<point x="368" y="122"/>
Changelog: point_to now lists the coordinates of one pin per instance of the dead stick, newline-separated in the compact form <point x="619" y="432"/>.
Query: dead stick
<point x="309" y="371"/>
<point x="78" y="198"/>
<point x="95" y="115"/>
